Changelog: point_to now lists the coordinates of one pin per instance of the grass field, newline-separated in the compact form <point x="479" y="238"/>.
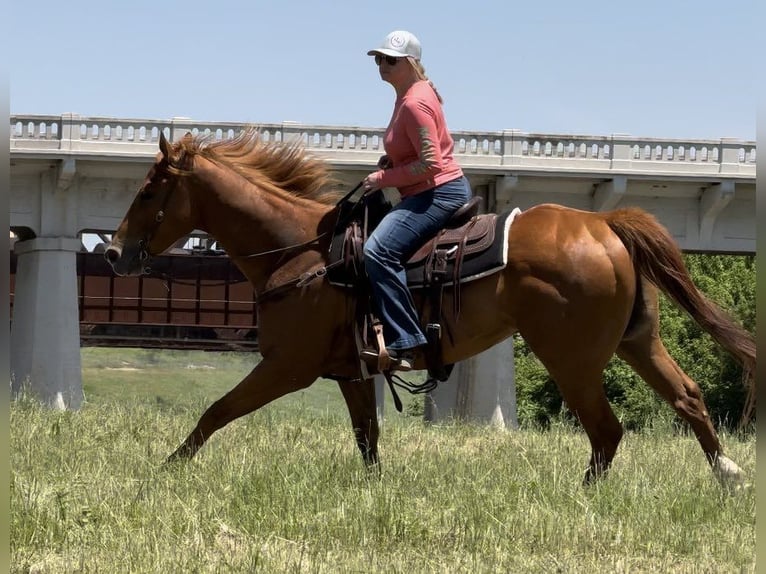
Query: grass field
<point x="284" y="489"/>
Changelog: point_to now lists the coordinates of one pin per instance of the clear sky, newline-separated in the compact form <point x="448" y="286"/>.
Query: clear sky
<point x="650" y="68"/>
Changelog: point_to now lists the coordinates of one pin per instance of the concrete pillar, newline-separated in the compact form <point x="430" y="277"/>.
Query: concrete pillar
<point x="480" y="389"/>
<point x="713" y="201"/>
<point x="380" y="397"/>
<point x="608" y="194"/>
<point x="45" y="333"/>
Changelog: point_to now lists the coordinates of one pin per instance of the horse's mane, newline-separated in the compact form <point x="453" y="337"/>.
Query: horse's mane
<point x="284" y="166"/>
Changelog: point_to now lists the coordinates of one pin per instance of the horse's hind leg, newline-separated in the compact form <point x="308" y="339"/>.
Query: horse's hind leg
<point x="584" y="395"/>
<point x="269" y="380"/>
<point x="581" y="386"/>
<point x="360" y="399"/>
<point x="643" y="350"/>
<point x="577" y="365"/>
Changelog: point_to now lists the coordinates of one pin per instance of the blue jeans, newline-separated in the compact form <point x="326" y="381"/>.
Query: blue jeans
<point x="403" y="230"/>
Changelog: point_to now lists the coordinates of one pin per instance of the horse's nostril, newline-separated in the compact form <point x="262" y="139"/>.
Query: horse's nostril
<point x="111" y="254"/>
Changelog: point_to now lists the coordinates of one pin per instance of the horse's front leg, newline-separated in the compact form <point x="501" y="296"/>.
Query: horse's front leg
<point x="360" y="400"/>
<point x="269" y="380"/>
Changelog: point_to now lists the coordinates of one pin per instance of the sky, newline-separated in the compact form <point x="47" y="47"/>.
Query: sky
<point x="671" y="69"/>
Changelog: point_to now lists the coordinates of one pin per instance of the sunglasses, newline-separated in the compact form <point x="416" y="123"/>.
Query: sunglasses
<point x="390" y="60"/>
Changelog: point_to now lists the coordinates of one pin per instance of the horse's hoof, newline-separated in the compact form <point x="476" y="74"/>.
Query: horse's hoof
<point x="178" y="457"/>
<point x="170" y="463"/>
<point x="729" y="474"/>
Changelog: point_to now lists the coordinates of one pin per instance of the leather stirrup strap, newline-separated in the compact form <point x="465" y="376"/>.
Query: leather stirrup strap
<point x="384" y="359"/>
<point x="458" y="267"/>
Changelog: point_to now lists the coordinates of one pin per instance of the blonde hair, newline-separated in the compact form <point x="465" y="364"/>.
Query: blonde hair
<point x="420" y="72"/>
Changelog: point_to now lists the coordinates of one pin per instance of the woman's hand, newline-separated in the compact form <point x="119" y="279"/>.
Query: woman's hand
<point x="372" y="181"/>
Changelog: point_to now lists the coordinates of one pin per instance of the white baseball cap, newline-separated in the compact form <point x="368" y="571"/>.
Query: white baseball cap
<point x="399" y="44"/>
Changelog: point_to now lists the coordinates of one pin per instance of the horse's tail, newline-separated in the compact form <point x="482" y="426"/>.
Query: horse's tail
<point x="657" y="257"/>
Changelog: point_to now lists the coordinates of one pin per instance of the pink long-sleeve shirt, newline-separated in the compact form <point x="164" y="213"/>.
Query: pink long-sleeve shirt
<point x="418" y="143"/>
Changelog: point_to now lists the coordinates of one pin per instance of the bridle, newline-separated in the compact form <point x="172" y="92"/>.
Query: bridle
<point x="159" y="217"/>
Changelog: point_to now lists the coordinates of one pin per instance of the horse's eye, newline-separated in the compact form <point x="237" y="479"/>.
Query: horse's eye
<point x="146" y="194"/>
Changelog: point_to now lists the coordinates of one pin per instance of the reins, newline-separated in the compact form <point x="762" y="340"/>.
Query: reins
<point x="299" y="281"/>
<point x="310" y="241"/>
<point x="308" y="276"/>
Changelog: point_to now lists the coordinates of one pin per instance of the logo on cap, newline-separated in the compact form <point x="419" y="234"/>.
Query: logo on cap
<point x="397" y="41"/>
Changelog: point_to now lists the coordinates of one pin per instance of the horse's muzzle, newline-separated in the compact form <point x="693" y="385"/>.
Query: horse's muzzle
<point x="112" y="254"/>
<point x="124" y="262"/>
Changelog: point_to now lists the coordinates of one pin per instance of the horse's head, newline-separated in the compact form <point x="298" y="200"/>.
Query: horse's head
<point x="161" y="213"/>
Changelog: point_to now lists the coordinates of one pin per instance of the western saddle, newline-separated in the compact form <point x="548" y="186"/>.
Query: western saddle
<point x="435" y="265"/>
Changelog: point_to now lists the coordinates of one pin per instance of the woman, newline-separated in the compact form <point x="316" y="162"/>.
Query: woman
<point x="419" y="163"/>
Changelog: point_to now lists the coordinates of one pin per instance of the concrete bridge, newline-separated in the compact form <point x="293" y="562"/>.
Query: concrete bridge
<point x="72" y="174"/>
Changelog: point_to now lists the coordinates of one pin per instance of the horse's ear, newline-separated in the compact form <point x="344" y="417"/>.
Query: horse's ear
<point x="164" y="146"/>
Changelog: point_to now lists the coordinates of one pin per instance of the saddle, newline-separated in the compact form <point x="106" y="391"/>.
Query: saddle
<point x="470" y="246"/>
<point x="465" y="238"/>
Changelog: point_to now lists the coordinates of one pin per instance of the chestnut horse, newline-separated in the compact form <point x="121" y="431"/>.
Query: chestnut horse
<point x="578" y="287"/>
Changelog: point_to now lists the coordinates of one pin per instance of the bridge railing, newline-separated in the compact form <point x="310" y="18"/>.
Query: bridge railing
<point x="343" y="145"/>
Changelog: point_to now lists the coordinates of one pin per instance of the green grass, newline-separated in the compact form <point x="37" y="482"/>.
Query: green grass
<point x="183" y="379"/>
<point x="284" y="489"/>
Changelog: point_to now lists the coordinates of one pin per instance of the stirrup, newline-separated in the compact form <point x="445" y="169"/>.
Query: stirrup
<point x="371" y="357"/>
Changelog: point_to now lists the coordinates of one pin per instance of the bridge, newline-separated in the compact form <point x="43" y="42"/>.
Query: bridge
<point x="74" y="174"/>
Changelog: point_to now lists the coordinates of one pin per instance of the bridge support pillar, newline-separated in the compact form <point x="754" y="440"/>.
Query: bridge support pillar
<point x="45" y="334"/>
<point x="380" y="397"/>
<point x="481" y="389"/>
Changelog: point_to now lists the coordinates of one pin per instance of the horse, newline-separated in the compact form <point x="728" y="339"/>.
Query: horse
<point x="578" y="286"/>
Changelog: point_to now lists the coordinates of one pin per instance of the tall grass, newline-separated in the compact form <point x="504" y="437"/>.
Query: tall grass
<point x="284" y="489"/>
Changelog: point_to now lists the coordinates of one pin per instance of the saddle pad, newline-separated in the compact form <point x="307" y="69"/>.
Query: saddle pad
<point x="474" y="266"/>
